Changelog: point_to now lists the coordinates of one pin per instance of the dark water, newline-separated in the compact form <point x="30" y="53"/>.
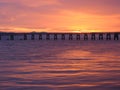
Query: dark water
<point x="60" y="65"/>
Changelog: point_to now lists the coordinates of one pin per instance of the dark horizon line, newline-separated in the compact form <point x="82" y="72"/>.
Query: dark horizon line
<point x="51" y="32"/>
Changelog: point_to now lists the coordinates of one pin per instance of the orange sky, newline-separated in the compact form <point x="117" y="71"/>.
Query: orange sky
<point x="59" y="15"/>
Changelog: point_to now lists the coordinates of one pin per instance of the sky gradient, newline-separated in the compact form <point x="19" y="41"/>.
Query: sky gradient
<point x="60" y="15"/>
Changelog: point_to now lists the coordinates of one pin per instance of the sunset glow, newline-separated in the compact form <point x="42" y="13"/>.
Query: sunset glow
<point x="60" y="15"/>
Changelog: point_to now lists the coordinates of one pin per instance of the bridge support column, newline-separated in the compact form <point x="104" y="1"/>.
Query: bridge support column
<point x="55" y="37"/>
<point x="108" y="36"/>
<point x="70" y="37"/>
<point x="63" y="37"/>
<point x="11" y="37"/>
<point x="116" y="36"/>
<point x="25" y="37"/>
<point x="0" y="37"/>
<point x="40" y="36"/>
<point x="85" y="36"/>
<point x="100" y="36"/>
<point x="78" y="37"/>
<point x="47" y="36"/>
<point x="32" y="37"/>
<point x="93" y="36"/>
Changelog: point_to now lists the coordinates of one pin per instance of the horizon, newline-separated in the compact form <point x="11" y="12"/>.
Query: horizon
<point x="58" y="32"/>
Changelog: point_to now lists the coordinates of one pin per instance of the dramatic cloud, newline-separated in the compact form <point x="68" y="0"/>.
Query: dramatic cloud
<point x="59" y="15"/>
<point x="93" y="6"/>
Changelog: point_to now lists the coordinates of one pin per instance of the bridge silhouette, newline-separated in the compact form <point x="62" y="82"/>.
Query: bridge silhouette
<point x="61" y="36"/>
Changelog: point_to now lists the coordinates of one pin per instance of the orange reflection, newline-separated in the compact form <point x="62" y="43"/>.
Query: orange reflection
<point x="73" y="68"/>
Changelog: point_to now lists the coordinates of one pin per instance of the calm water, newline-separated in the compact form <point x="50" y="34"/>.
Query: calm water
<point x="59" y="65"/>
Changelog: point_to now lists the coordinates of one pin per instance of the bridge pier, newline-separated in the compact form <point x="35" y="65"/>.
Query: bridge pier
<point x="0" y="37"/>
<point x="63" y="37"/>
<point x="40" y="36"/>
<point x="116" y="36"/>
<point x="93" y="36"/>
<point x="70" y="37"/>
<point x="11" y="37"/>
<point x="25" y="37"/>
<point x="108" y="36"/>
<point x="55" y="37"/>
<point x="47" y="36"/>
<point x="32" y="37"/>
<point x="78" y="37"/>
<point x="100" y="36"/>
<point x="85" y="36"/>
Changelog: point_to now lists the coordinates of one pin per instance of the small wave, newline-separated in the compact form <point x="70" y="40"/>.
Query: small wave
<point x="81" y="59"/>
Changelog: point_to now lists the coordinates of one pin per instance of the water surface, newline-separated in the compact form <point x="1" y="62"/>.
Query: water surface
<point x="59" y="65"/>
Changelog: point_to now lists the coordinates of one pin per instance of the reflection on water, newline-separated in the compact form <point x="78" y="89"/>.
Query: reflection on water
<point x="59" y="65"/>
